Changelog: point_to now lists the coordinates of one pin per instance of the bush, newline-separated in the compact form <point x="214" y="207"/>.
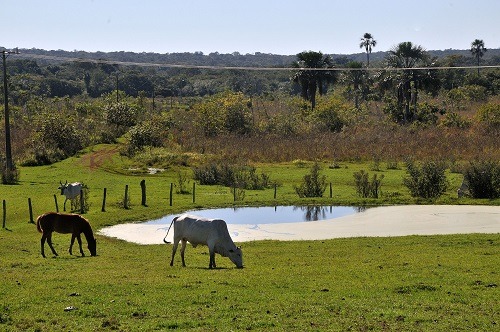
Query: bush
<point x="483" y="179"/>
<point x="490" y="114"/>
<point x="314" y="184"/>
<point x="427" y="181"/>
<point x="364" y="187"/>
<point x="56" y="138"/>
<point x="10" y="176"/>
<point x="244" y="177"/>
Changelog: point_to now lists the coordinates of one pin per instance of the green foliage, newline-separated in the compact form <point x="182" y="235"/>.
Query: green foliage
<point x="226" y="112"/>
<point x="56" y="138"/>
<point x="9" y="176"/>
<point x="231" y="176"/>
<point x="329" y="113"/>
<point x="489" y="114"/>
<point x="424" y="113"/>
<point x="454" y="120"/>
<point x="366" y="188"/>
<point x="313" y="185"/>
<point x="151" y="133"/>
<point x="483" y="179"/>
<point x="426" y="181"/>
<point x="474" y="92"/>
<point x="120" y="114"/>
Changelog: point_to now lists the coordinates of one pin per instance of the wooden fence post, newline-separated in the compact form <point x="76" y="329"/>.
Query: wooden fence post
<point x="30" y="210"/>
<point x="55" y="200"/>
<point x="194" y="189"/>
<point x="143" y="192"/>
<point x="82" y="202"/>
<point x="103" y="209"/>
<point x="171" y="192"/>
<point x="4" y="213"/>
<point x="125" y="198"/>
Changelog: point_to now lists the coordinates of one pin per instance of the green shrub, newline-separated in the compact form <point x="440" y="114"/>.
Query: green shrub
<point x="427" y="181"/>
<point x="245" y="177"/>
<point x="453" y="119"/>
<point x="490" y="114"/>
<point x="314" y="184"/>
<point x="366" y="188"/>
<point x="120" y="114"/>
<point x="483" y="179"/>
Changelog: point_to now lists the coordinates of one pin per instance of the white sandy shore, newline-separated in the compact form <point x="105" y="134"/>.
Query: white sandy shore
<point x="379" y="221"/>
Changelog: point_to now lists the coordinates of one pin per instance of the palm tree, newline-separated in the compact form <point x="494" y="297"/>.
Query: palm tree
<point x="477" y="49"/>
<point x="367" y="42"/>
<point x="357" y="77"/>
<point x="312" y="81"/>
<point x="406" y="55"/>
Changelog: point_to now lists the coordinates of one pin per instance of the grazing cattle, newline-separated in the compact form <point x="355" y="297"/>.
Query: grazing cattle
<point x="210" y="232"/>
<point x="70" y="190"/>
<point x="65" y="223"/>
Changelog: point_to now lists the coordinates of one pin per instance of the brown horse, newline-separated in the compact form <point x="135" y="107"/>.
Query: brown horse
<point x="65" y="224"/>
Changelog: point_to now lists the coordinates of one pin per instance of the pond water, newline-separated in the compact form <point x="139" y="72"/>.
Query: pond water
<point x="244" y="223"/>
<point x="268" y="214"/>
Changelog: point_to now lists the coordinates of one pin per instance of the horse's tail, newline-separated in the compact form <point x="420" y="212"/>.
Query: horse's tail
<point x="38" y="226"/>
<point x="165" y="238"/>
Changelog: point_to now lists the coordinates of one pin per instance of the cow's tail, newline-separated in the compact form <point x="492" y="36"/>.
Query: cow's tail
<point x="165" y="238"/>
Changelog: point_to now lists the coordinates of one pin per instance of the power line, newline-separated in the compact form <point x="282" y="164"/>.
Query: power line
<point x="186" y="66"/>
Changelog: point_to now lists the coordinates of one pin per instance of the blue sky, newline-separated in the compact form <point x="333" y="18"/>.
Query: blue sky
<point x="226" y="26"/>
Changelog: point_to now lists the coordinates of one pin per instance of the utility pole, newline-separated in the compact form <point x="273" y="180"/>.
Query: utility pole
<point x="9" y="164"/>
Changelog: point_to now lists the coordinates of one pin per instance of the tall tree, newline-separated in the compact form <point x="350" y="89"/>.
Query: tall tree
<point x="477" y="49"/>
<point x="356" y="77"/>
<point x="406" y="56"/>
<point x="312" y="81"/>
<point x="367" y="42"/>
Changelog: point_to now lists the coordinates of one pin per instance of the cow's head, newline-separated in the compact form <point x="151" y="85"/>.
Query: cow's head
<point x="236" y="256"/>
<point x="63" y="186"/>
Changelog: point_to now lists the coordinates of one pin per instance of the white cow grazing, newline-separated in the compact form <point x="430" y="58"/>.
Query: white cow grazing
<point x="210" y="232"/>
<point x="70" y="190"/>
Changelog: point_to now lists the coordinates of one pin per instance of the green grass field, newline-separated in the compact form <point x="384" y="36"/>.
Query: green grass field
<point x="414" y="283"/>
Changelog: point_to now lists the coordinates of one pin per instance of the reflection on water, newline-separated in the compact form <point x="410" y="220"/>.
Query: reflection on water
<point x="270" y="214"/>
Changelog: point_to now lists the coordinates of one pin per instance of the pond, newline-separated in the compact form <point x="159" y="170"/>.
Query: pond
<point x="268" y="214"/>
<point x="244" y="223"/>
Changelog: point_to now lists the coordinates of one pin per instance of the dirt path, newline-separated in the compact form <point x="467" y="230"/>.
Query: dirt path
<point x="95" y="159"/>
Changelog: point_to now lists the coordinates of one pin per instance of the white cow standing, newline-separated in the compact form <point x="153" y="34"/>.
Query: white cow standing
<point x="210" y="232"/>
<point x="70" y="190"/>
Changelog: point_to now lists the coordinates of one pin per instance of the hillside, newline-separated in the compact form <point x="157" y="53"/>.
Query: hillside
<point x="491" y="57"/>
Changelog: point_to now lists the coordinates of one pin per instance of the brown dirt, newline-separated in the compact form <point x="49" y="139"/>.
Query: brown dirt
<point x="95" y="159"/>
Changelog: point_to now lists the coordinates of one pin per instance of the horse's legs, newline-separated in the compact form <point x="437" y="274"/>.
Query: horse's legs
<point x="49" y="241"/>
<point x="42" y="242"/>
<point x="78" y="237"/>
<point x="71" y="244"/>
<point x="183" y="248"/>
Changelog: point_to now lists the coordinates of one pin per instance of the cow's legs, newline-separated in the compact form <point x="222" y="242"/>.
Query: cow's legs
<point x="64" y="207"/>
<point x="174" y="249"/>
<point x="183" y="248"/>
<point x="49" y="241"/>
<point x="212" y="258"/>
